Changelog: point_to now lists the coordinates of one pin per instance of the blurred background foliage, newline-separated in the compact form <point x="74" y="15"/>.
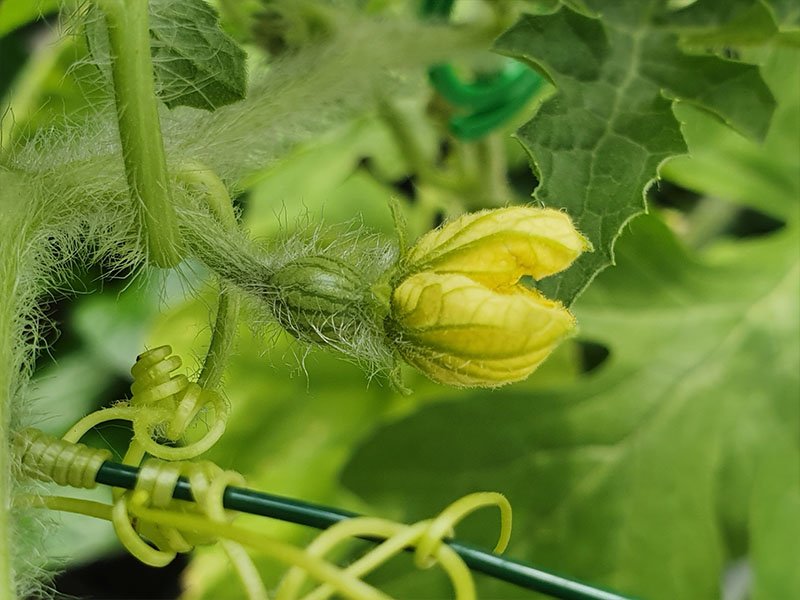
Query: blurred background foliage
<point x="657" y="453"/>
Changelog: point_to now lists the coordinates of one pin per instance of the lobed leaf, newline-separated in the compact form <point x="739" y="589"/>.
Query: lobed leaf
<point x="196" y="63"/>
<point x="598" y="143"/>
<point x="723" y="164"/>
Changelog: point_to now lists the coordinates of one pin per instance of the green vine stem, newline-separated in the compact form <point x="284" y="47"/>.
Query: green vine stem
<point x="139" y="126"/>
<point x="222" y="337"/>
<point x="7" y="388"/>
<point x="18" y="340"/>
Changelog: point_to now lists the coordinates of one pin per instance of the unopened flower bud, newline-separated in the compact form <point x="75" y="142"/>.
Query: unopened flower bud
<point x="497" y="247"/>
<point x="459" y="332"/>
<point x="459" y="313"/>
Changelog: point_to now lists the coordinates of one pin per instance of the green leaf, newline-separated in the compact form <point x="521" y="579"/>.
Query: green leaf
<point x="113" y="325"/>
<point x="68" y="389"/>
<point x="285" y="188"/>
<point x="738" y="22"/>
<point x="787" y="12"/>
<point x="625" y="479"/>
<point x="196" y="63"/>
<point x="724" y="164"/>
<point x="598" y="143"/>
<point x="775" y="522"/>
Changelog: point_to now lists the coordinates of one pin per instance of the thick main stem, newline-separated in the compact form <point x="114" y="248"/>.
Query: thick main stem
<point x="139" y="126"/>
<point x="13" y="296"/>
<point x="7" y="366"/>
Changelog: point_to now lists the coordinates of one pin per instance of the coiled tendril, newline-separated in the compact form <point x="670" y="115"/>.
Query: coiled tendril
<point x="154" y="527"/>
<point x="154" y="488"/>
<point x="49" y="459"/>
<point x="426" y="537"/>
<point x="164" y="405"/>
<point x="178" y="402"/>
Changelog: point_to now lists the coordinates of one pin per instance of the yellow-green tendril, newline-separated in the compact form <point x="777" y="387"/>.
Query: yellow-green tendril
<point x="345" y="584"/>
<point x="157" y="482"/>
<point x="155" y="486"/>
<point x="79" y="506"/>
<point x="245" y="570"/>
<point x="154" y="527"/>
<point x="49" y="459"/>
<point x="81" y="428"/>
<point x="398" y="537"/>
<point x="426" y="536"/>
<point x="442" y="526"/>
<point x="164" y="403"/>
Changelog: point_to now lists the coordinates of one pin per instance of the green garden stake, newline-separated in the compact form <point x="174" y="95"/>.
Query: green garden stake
<point x="316" y="515"/>
<point x="491" y="100"/>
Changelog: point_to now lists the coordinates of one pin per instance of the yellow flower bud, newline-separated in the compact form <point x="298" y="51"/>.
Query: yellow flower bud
<point x="459" y="313"/>
<point x="497" y="247"/>
<point x="460" y="332"/>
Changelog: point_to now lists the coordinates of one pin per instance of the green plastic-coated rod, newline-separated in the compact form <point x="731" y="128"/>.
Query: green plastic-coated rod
<point x="492" y="99"/>
<point x="322" y="517"/>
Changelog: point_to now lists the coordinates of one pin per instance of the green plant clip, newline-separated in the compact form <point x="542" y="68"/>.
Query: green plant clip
<point x="491" y="100"/>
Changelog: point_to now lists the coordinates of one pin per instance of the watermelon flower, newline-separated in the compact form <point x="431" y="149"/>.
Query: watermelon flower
<point x="459" y="312"/>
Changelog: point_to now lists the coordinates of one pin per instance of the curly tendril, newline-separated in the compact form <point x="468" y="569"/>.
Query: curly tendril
<point x="163" y="405"/>
<point x="427" y="537"/>
<point x="154" y="527"/>
<point x="154" y="488"/>
<point x="47" y="458"/>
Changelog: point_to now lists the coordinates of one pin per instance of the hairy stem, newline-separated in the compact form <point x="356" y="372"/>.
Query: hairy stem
<point x="15" y="238"/>
<point x="222" y="339"/>
<point x="7" y="384"/>
<point x="139" y="126"/>
<point x="224" y="332"/>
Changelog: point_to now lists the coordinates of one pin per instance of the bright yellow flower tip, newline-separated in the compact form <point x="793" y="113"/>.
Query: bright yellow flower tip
<point x="460" y="332"/>
<point x="497" y="247"/>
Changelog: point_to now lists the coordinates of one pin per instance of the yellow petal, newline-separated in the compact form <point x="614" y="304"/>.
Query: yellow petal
<point x="460" y="332"/>
<point x="497" y="247"/>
